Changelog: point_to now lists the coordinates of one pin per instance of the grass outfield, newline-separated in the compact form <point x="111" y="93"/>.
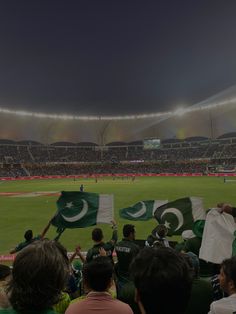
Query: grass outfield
<point x="21" y="213"/>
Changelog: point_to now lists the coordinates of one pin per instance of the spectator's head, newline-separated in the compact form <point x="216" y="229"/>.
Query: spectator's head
<point x="157" y="244"/>
<point x="129" y="231"/>
<point x="28" y="235"/>
<point x="98" y="274"/>
<point x="40" y="273"/>
<point x="5" y="272"/>
<point x="159" y="274"/>
<point x="160" y="231"/>
<point x="227" y="276"/>
<point x="97" y="235"/>
<point x="187" y="234"/>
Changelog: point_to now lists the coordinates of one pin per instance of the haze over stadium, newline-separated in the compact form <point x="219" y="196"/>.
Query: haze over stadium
<point x="116" y="59"/>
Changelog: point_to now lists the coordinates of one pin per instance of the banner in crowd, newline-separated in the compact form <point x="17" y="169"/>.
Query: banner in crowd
<point x="142" y="210"/>
<point x="180" y="214"/>
<point x="218" y="237"/>
<point x="81" y="209"/>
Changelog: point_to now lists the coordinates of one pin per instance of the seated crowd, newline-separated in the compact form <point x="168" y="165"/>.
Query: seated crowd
<point x="22" y="159"/>
<point x="154" y="278"/>
<point x="28" y="153"/>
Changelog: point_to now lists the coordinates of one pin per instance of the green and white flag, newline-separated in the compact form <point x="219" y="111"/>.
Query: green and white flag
<point x="218" y="240"/>
<point x="81" y="209"/>
<point x="142" y="210"/>
<point x="180" y="214"/>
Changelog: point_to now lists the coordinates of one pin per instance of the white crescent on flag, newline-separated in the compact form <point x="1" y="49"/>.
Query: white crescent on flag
<point x="139" y="213"/>
<point x="78" y="216"/>
<point x="177" y="213"/>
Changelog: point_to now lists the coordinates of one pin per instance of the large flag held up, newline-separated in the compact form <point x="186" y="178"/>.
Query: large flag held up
<point x="218" y="237"/>
<point x="142" y="210"/>
<point x="81" y="209"/>
<point x="180" y="214"/>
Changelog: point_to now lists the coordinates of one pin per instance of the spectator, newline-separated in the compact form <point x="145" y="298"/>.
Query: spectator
<point x="63" y="303"/>
<point x="218" y="293"/>
<point x="5" y="275"/>
<point x="39" y="275"/>
<point x="227" y="279"/>
<point x="201" y="288"/>
<point x="98" y="278"/>
<point x="76" y="268"/>
<point x="126" y="250"/>
<point x="97" y="237"/>
<point x="162" y="281"/>
<point x="30" y="239"/>
<point x="186" y="235"/>
<point x="158" y="237"/>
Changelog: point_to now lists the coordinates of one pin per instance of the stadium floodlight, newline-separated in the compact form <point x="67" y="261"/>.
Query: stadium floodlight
<point x="179" y="112"/>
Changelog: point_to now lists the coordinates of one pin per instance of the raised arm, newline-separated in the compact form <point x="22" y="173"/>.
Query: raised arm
<point x="77" y="252"/>
<point x="45" y="230"/>
<point x="227" y="208"/>
<point x="13" y="251"/>
<point x="114" y="237"/>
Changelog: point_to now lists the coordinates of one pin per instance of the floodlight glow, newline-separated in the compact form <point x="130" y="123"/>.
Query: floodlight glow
<point x="167" y="114"/>
<point x="179" y="112"/>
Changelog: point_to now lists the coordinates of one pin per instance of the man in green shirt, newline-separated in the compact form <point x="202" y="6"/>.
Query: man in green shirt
<point x="99" y="244"/>
<point x="30" y="239"/>
<point x="126" y="250"/>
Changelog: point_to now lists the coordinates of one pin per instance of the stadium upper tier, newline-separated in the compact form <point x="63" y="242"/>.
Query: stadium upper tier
<point x="189" y="149"/>
<point x="206" y="120"/>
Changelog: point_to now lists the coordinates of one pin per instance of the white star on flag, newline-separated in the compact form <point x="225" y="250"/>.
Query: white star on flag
<point x="69" y="205"/>
<point x="167" y="224"/>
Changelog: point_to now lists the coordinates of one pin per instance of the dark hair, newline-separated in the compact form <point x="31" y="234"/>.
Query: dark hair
<point x="97" y="234"/>
<point x="162" y="231"/>
<point x="39" y="274"/>
<point x="229" y="268"/>
<point x="127" y="230"/>
<point x="159" y="231"/>
<point x="98" y="273"/>
<point x="158" y="273"/>
<point x="28" y="235"/>
<point x="4" y="271"/>
<point x="157" y="244"/>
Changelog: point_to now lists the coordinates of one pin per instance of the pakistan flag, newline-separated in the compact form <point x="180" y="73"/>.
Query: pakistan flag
<point x="81" y="209"/>
<point x="142" y="210"/>
<point x="180" y="214"/>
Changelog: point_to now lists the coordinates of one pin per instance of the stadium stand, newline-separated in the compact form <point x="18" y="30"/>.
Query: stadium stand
<point x="192" y="155"/>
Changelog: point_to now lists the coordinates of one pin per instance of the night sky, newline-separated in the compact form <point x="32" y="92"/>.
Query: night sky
<point x="110" y="57"/>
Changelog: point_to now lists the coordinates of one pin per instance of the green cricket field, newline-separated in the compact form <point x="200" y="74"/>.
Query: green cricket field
<point x="30" y="204"/>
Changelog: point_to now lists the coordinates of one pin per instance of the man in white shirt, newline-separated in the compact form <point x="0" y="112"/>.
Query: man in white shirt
<point x="227" y="278"/>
